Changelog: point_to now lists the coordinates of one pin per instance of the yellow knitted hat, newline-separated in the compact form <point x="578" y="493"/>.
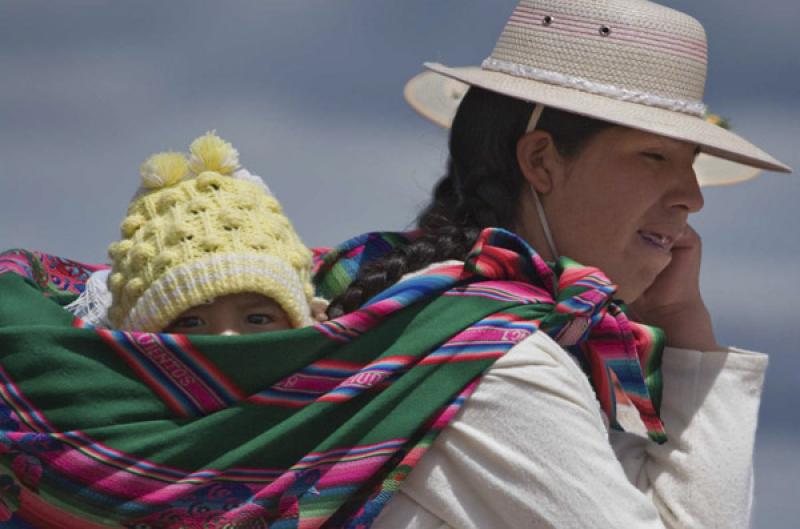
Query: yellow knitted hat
<point x="200" y="228"/>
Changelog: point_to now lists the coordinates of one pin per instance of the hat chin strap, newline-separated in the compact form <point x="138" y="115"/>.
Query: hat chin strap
<point x="548" y="235"/>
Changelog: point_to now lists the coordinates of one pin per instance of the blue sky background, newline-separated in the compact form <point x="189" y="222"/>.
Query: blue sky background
<point x="310" y="92"/>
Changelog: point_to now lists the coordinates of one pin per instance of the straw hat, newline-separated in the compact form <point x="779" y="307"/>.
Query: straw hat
<point x="630" y="62"/>
<point x="436" y="98"/>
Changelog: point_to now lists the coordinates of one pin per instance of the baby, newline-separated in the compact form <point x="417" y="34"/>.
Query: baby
<point x="206" y="249"/>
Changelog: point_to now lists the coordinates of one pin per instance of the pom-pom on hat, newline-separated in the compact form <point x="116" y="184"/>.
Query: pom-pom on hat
<point x="201" y="227"/>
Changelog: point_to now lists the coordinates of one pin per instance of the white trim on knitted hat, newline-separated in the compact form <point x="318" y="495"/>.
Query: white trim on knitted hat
<point x="187" y="286"/>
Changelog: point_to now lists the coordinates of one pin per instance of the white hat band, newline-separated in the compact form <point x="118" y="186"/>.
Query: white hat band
<point x="622" y="94"/>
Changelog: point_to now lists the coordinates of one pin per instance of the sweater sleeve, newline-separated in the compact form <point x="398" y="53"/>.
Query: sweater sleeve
<point x="530" y="449"/>
<point x="703" y="477"/>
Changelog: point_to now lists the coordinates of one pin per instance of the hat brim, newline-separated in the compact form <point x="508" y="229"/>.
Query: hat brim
<point x="731" y="158"/>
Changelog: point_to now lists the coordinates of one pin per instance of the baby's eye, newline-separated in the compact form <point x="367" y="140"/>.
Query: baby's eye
<point x="188" y="322"/>
<point x="259" y="319"/>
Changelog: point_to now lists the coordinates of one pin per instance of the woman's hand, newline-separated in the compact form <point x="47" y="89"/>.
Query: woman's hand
<point x="674" y="303"/>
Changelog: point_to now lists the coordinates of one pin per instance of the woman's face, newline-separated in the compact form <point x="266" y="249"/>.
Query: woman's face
<point x="619" y="205"/>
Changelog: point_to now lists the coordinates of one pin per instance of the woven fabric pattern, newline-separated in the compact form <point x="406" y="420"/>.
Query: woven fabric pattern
<point x="313" y="427"/>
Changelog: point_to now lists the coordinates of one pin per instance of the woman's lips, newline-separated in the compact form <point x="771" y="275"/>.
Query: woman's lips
<point x="658" y="240"/>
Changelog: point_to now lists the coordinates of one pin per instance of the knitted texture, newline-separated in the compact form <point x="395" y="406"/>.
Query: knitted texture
<point x="199" y="229"/>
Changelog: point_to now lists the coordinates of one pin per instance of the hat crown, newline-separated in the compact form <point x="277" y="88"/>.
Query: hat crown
<point x="199" y="229"/>
<point x="628" y="48"/>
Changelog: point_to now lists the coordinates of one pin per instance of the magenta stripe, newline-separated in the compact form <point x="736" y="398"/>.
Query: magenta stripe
<point x="689" y="41"/>
<point x="592" y="27"/>
<point x="358" y="449"/>
<point x="181" y="375"/>
<point x="302" y="383"/>
<point x="620" y="34"/>
<point x="225" y="384"/>
<point x="675" y="52"/>
<point x="131" y="357"/>
<point x="462" y="357"/>
<point x="130" y="484"/>
<point x="350" y="472"/>
<point x="335" y="397"/>
<point x="275" y="401"/>
<point x="22" y="406"/>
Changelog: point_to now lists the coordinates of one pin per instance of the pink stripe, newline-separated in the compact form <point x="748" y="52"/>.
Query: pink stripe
<point x="351" y="472"/>
<point x="109" y="480"/>
<point x="671" y="41"/>
<point x="308" y="384"/>
<point x="414" y="455"/>
<point x="689" y="41"/>
<point x="11" y="266"/>
<point x="446" y="416"/>
<point x="219" y="377"/>
<point x="337" y="364"/>
<point x="337" y="396"/>
<point x="172" y="403"/>
<point x="34" y="420"/>
<point x="684" y="46"/>
<point x="681" y="52"/>
<point x="334" y="398"/>
<point x="41" y="514"/>
<point x="335" y="332"/>
<point x="396" y="360"/>
<point x="522" y="290"/>
<point x="462" y="357"/>
<point x="488" y="335"/>
<point x="687" y="49"/>
<point x="449" y="412"/>
<point x="126" y="484"/>
<point x="275" y="401"/>
<point x="312" y="523"/>
<point x="182" y="376"/>
<point x="337" y="457"/>
<point x="342" y="451"/>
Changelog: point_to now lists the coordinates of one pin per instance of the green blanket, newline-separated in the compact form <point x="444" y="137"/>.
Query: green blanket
<point x="306" y="428"/>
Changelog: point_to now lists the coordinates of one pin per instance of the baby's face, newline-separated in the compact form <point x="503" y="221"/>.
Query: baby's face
<point x="231" y="315"/>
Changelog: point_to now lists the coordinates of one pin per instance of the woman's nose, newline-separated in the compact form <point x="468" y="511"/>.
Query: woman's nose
<point x="686" y="192"/>
<point x="228" y="332"/>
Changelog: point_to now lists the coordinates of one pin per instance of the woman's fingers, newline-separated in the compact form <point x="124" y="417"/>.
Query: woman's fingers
<point x="674" y="303"/>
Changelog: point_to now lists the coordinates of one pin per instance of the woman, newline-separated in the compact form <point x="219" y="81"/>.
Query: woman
<point x="321" y="426"/>
<point x="602" y="173"/>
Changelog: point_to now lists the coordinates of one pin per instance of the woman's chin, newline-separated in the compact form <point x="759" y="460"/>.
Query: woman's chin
<point x="636" y="284"/>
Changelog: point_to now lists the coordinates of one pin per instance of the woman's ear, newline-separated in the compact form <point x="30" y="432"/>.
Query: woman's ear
<point x="539" y="160"/>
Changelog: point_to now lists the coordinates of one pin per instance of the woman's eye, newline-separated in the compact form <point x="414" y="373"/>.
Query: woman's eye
<point x="188" y="322"/>
<point x="260" y="319"/>
<point x="655" y="156"/>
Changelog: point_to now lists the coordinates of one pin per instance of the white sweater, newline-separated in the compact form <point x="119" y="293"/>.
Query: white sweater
<point x="530" y="449"/>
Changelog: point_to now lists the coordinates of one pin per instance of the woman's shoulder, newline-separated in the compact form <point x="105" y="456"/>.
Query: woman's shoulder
<point x="532" y="424"/>
<point x="540" y="375"/>
<point x="535" y="361"/>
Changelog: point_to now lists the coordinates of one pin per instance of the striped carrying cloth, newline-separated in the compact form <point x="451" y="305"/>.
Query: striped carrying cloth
<point x="307" y="428"/>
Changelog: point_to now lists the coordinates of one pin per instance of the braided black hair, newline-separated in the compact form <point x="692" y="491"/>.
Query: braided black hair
<point x="480" y="189"/>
